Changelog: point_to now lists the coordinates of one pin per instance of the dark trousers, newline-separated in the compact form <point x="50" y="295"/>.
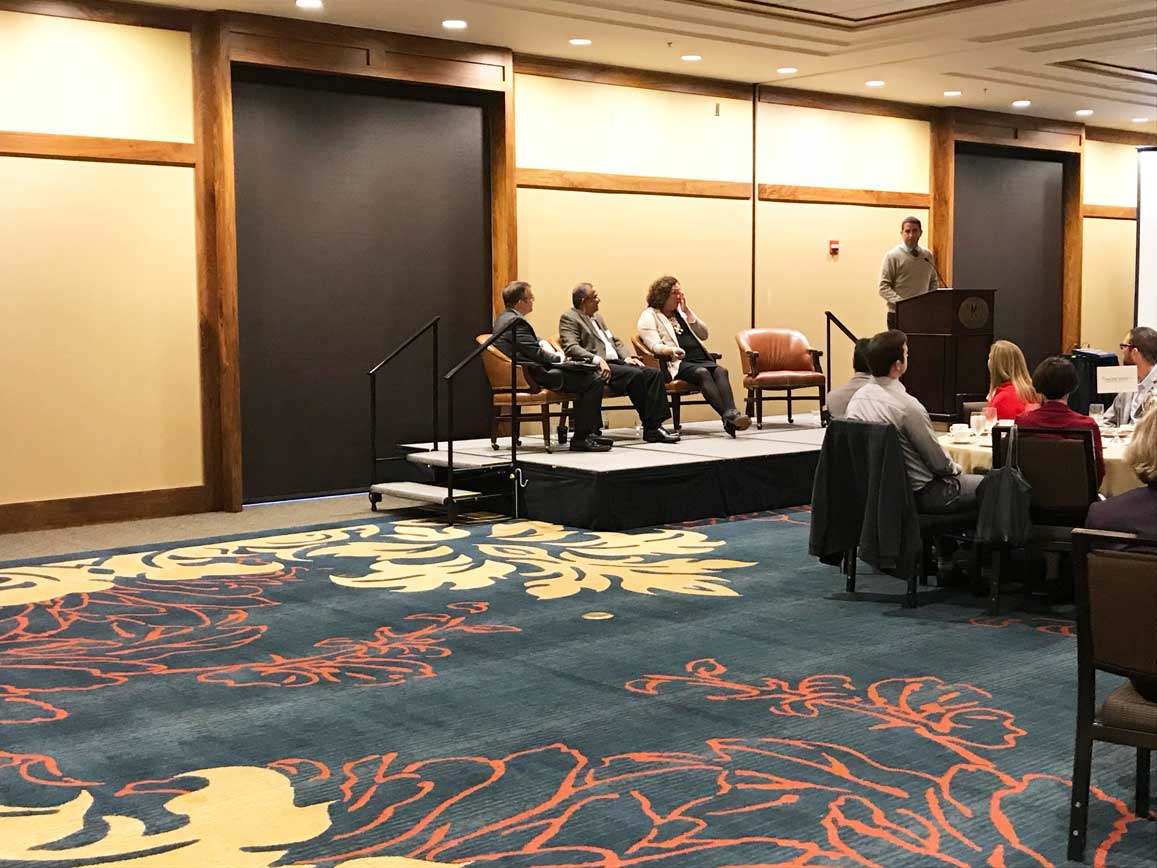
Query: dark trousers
<point x="891" y="319"/>
<point x="587" y="387"/>
<point x="644" y="386"/>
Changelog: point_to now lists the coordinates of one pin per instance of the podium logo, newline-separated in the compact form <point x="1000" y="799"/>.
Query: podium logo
<point x="973" y="312"/>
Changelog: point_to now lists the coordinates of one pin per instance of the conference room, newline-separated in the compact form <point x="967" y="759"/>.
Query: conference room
<point x="691" y="432"/>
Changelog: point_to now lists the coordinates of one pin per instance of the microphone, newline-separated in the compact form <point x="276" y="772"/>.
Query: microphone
<point x="939" y="281"/>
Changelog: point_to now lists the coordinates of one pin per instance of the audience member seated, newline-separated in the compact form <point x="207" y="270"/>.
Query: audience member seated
<point x="936" y="480"/>
<point x="1010" y="390"/>
<point x="1138" y="348"/>
<point x="1055" y="379"/>
<point x="1135" y="511"/>
<point x="839" y="397"/>
<point x="673" y="334"/>
<point x="542" y="364"/>
<point x="585" y="337"/>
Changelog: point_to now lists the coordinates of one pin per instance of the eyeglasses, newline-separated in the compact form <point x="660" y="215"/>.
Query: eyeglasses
<point x="1127" y="346"/>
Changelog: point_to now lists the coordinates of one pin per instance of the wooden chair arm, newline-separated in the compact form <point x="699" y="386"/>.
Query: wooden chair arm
<point x="751" y="357"/>
<point x="816" y="356"/>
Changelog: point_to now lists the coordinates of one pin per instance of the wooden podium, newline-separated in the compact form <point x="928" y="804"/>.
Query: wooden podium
<point x="949" y="335"/>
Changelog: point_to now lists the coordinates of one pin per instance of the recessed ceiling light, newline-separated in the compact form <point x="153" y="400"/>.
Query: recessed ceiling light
<point x="1083" y="113"/>
<point x="952" y="93"/>
<point x="875" y="82"/>
<point x="308" y="4"/>
<point x="454" y="24"/>
<point x="787" y="70"/>
<point x="691" y="58"/>
<point x="1021" y="103"/>
<point x="580" y="42"/>
<point x="1140" y="120"/>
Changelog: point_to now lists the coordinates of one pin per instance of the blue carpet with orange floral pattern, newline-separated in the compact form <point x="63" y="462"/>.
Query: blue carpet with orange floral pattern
<point x="394" y="692"/>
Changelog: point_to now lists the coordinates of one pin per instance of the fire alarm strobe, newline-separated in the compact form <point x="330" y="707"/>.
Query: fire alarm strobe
<point x="833" y="248"/>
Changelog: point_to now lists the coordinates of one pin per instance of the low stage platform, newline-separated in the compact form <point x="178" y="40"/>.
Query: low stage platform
<point x="640" y="484"/>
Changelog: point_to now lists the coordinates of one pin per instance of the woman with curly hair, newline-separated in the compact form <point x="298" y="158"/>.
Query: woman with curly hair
<point x="674" y="335"/>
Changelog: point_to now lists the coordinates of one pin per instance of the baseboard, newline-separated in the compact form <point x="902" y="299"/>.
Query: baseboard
<point x="128" y="506"/>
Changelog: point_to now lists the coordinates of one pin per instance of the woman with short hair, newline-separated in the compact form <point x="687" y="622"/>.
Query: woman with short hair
<point x="674" y="335"/>
<point x="1055" y="379"/>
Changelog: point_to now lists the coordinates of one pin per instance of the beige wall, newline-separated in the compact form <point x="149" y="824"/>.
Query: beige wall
<point x="101" y="388"/>
<point x="819" y="148"/>
<point x="1108" y="282"/>
<point x="59" y="75"/>
<point x="582" y="127"/>
<point x="797" y="280"/>
<point x="1110" y="174"/>
<point x="621" y="243"/>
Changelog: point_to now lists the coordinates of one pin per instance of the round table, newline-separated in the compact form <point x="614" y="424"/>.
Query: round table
<point x="976" y="455"/>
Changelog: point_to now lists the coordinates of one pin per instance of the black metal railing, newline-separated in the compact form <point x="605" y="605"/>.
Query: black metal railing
<point x="372" y="373"/>
<point x="515" y="414"/>
<point x="832" y="318"/>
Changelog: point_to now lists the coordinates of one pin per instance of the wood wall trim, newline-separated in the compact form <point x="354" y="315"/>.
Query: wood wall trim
<point x="943" y="186"/>
<point x="980" y="117"/>
<point x="597" y="73"/>
<point x="844" y="103"/>
<point x="1072" y="188"/>
<point x="1109" y="212"/>
<point x="217" y="268"/>
<point x="68" y="512"/>
<point x="841" y="196"/>
<point x="1120" y="137"/>
<point x="503" y="196"/>
<point x="94" y="149"/>
<point x="106" y="11"/>
<point x="598" y="182"/>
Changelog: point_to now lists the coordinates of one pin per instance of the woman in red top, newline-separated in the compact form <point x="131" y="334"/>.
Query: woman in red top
<point x="1056" y="378"/>
<point x="1010" y="390"/>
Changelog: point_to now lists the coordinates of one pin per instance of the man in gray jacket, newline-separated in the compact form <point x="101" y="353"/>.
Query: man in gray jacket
<point x="585" y="337"/>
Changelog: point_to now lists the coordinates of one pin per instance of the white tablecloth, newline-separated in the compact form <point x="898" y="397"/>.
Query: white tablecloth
<point x="977" y="455"/>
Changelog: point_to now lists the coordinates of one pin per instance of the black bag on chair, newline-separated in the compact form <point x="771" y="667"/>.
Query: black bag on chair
<point x="1005" y="497"/>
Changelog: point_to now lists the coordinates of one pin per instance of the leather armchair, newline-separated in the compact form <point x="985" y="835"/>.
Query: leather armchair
<point x="527" y="393"/>
<point x="779" y="360"/>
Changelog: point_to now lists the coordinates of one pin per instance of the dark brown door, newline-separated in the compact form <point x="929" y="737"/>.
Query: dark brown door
<point x="362" y="212"/>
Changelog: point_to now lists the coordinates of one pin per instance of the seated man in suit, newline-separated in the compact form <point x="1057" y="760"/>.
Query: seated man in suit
<point x="585" y="337"/>
<point x="543" y="364"/>
<point x="936" y="480"/>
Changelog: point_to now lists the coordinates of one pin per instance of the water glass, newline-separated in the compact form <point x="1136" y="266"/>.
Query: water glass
<point x="989" y="417"/>
<point x="976" y="421"/>
<point x="1096" y="411"/>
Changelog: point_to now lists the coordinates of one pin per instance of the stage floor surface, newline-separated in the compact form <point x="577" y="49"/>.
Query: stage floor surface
<point x="638" y="484"/>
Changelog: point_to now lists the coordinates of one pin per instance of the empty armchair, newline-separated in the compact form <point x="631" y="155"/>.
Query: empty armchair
<point x="778" y="360"/>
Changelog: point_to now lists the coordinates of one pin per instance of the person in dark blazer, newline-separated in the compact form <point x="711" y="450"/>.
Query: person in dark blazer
<point x="585" y="337"/>
<point x="545" y="366"/>
<point x="1134" y="511"/>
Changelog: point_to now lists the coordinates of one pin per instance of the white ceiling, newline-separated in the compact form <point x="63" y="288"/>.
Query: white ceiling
<point x="1062" y="55"/>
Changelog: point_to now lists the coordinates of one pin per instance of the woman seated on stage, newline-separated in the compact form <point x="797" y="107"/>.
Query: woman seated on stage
<point x="1055" y="379"/>
<point x="673" y="334"/>
<point x="1010" y="390"/>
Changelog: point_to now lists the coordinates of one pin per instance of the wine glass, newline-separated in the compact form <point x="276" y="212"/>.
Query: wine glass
<point x="976" y="422"/>
<point x="989" y="417"/>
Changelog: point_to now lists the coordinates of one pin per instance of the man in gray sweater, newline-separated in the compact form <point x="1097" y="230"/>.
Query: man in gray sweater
<point x="908" y="269"/>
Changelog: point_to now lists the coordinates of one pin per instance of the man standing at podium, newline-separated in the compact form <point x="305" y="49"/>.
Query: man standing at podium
<point x="908" y="269"/>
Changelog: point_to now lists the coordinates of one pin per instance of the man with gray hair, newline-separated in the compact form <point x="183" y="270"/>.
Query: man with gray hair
<point x="908" y="269"/>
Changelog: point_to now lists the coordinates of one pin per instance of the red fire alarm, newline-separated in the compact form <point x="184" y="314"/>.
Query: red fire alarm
<point x="833" y="248"/>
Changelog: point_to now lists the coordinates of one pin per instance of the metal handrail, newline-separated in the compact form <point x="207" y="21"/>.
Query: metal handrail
<point x="372" y="373"/>
<point x="515" y="414"/>
<point x="832" y="318"/>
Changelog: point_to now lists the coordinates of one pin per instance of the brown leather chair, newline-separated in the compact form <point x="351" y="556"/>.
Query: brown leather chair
<point x="676" y="389"/>
<point x="779" y="360"/>
<point x="527" y="394"/>
<point x="1116" y="632"/>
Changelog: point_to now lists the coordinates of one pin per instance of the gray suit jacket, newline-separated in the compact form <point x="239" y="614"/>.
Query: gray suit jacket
<point x="579" y="340"/>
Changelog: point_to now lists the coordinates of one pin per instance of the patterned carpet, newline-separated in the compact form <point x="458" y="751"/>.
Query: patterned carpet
<point x="397" y="693"/>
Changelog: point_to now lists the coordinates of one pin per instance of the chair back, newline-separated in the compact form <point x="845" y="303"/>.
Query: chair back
<point x="497" y="366"/>
<point x="1116" y="602"/>
<point x="776" y="349"/>
<point x="1061" y="466"/>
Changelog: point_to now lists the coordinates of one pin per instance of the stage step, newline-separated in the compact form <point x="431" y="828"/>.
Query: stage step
<point x="421" y="492"/>
<point x="462" y="461"/>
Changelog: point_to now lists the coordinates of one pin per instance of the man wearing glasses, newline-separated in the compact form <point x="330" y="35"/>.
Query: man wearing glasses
<point x="1139" y="348"/>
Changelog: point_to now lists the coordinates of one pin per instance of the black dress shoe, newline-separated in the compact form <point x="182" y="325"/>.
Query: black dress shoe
<point x="658" y="435"/>
<point x="589" y="444"/>
<point x="599" y="438"/>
